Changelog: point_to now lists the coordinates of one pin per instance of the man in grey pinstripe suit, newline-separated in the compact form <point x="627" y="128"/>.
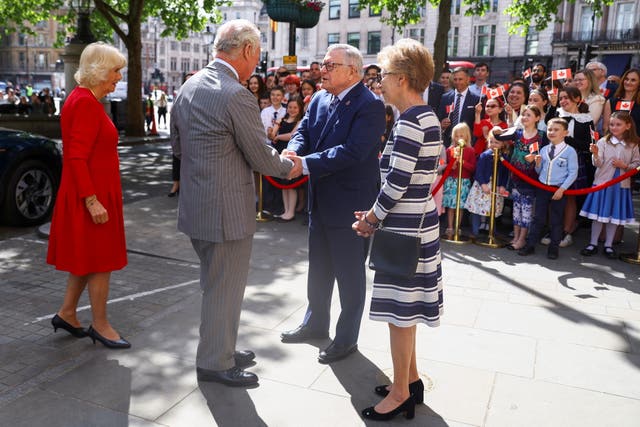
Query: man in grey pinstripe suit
<point x="217" y="132"/>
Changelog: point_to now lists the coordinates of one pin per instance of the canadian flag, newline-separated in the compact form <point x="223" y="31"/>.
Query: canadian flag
<point x="449" y="108"/>
<point x="495" y="93"/>
<point x="624" y="106"/>
<point x="533" y="147"/>
<point x="594" y="135"/>
<point x="484" y="90"/>
<point x="526" y="73"/>
<point x="561" y="74"/>
<point x="604" y="91"/>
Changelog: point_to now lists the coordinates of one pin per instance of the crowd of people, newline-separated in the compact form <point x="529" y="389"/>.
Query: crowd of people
<point x="27" y="102"/>
<point x="369" y="146"/>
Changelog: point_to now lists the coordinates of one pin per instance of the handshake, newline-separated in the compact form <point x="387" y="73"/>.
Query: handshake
<point x="296" y="170"/>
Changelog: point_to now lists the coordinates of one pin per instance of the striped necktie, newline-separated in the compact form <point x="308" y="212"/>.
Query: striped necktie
<point x="334" y="103"/>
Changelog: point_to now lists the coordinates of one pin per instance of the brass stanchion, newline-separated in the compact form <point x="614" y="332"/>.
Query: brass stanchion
<point x="490" y="240"/>
<point x="261" y="216"/>
<point x="457" y="237"/>
<point x="632" y="258"/>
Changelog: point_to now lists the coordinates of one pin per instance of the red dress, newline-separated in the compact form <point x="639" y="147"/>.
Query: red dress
<point x="91" y="166"/>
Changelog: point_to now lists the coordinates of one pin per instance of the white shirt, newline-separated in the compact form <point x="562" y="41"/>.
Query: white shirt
<point x="269" y="117"/>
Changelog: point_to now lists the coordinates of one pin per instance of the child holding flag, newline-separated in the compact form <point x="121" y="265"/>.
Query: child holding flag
<point x="613" y="155"/>
<point x="557" y="165"/>
<point x="481" y="127"/>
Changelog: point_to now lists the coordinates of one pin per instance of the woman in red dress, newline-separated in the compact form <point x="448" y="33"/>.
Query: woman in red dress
<point x="87" y="229"/>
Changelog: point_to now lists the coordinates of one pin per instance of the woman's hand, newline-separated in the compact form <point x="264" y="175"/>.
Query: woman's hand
<point x="361" y="228"/>
<point x="99" y="214"/>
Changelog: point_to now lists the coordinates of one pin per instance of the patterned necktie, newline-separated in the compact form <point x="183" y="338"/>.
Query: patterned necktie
<point x="455" y="116"/>
<point x="552" y="153"/>
<point x="333" y="105"/>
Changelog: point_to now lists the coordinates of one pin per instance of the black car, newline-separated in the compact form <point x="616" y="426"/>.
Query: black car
<point x="30" y="169"/>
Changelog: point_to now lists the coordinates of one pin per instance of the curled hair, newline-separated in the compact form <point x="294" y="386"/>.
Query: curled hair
<point x="96" y="60"/>
<point x="235" y="35"/>
<point x="411" y="58"/>
<point x="352" y="56"/>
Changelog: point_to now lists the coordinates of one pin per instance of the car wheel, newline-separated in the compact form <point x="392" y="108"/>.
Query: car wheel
<point x="30" y="194"/>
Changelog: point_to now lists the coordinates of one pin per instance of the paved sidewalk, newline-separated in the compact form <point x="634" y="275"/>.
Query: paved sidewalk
<point x="524" y="341"/>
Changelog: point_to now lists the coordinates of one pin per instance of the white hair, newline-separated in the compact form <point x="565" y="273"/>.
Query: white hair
<point x="96" y="60"/>
<point x="235" y="35"/>
<point x="599" y="65"/>
<point x="352" y="56"/>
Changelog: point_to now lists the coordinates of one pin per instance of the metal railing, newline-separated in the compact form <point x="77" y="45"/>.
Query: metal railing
<point x="598" y="36"/>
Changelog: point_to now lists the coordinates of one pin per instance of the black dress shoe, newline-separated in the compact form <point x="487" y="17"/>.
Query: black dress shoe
<point x="527" y="250"/>
<point x="416" y="389"/>
<point x="173" y="193"/>
<point x="552" y="253"/>
<point x="336" y="352"/>
<point x="243" y="358"/>
<point x="234" y="377"/>
<point x="59" y="322"/>
<point x="408" y="407"/>
<point x="115" y="344"/>
<point x="302" y="334"/>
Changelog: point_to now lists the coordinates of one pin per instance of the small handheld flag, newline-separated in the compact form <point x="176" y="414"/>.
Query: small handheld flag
<point x="495" y="93"/>
<point x="533" y="148"/>
<point x="561" y="74"/>
<point x="624" y="105"/>
<point x="527" y="73"/>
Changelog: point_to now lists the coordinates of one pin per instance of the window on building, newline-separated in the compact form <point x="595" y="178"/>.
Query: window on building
<point x="41" y="61"/>
<point x="161" y="46"/>
<point x="455" y="7"/>
<point x="531" y="42"/>
<point x="173" y="64"/>
<point x="304" y="37"/>
<point x="485" y="39"/>
<point x="416" y="34"/>
<point x="22" y="60"/>
<point x="162" y="64"/>
<point x="196" y="48"/>
<point x="333" y="38"/>
<point x="354" y="12"/>
<point x="42" y="25"/>
<point x="494" y="5"/>
<point x="625" y="14"/>
<point x="174" y="46"/>
<point x="373" y="42"/>
<point x="354" y="39"/>
<point x="334" y="9"/>
<point x="185" y="65"/>
<point x="587" y="23"/>
<point x="452" y="45"/>
<point x="373" y="13"/>
<point x="185" y="47"/>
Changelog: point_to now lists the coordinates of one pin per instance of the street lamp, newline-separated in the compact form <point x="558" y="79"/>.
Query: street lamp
<point x="83" y="31"/>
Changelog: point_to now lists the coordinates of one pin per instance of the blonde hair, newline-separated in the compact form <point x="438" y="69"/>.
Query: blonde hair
<point x="96" y="60"/>
<point x="464" y="133"/>
<point x="411" y="58"/>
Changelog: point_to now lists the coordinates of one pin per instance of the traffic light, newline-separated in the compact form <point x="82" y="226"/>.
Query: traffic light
<point x="589" y="53"/>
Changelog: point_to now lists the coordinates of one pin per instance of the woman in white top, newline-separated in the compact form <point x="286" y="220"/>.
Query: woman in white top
<point x="586" y="82"/>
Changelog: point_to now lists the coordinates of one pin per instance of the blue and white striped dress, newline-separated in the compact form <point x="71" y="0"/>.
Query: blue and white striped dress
<point x="408" y="167"/>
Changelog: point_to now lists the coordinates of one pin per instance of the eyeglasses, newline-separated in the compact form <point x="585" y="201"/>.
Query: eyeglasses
<point x="331" y="65"/>
<point x="382" y="75"/>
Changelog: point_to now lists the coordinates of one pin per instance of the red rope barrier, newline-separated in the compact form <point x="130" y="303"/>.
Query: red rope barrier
<point x="577" y="192"/>
<point x="286" y="186"/>
<point x="445" y="175"/>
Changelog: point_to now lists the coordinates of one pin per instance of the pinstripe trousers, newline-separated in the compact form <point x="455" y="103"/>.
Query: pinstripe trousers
<point x="224" y="268"/>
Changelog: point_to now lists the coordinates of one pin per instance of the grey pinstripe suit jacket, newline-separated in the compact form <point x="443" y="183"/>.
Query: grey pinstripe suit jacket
<point x="217" y="133"/>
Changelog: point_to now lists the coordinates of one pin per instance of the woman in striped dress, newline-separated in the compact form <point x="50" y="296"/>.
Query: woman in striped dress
<point x="408" y="165"/>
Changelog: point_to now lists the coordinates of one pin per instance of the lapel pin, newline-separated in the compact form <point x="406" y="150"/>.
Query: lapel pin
<point x="348" y="102"/>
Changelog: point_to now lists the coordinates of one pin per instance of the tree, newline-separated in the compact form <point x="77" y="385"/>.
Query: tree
<point x="124" y="17"/>
<point x="539" y="12"/>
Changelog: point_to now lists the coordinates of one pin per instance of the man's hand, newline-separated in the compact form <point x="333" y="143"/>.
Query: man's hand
<point x="296" y="170"/>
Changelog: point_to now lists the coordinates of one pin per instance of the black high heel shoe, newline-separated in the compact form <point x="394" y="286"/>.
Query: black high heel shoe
<point x="94" y="335"/>
<point x="59" y="322"/>
<point x="416" y="389"/>
<point x="408" y="407"/>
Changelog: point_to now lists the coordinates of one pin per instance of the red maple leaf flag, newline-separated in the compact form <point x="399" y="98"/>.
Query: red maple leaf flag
<point x="495" y="93"/>
<point x="561" y="74"/>
<point x="483" y="92"/>
<point x="594" y="135"/>
<point x="604" y="91"/>
<point x="624" y="106"/>
<point x="449" y="108"/>
<point x="526" y="73"/>
<point x="533" y="147"/>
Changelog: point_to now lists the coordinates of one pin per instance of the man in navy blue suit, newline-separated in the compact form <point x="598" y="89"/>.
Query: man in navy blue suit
<point x="338" y="142"/>
<point x="457" y="105"/>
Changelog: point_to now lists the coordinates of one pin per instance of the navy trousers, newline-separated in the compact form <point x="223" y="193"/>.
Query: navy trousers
<point x="555" y="208"/>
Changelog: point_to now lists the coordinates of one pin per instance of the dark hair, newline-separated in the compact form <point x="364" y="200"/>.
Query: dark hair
<point x="310" y="83"/>
<point x="298" y="100"/>
<point x="620" y="92"/>
<point x="574" y="94"/>
<point x="314" y="63"/>
<point x="558" y="121"/>
<point x="279" y="88"/>
<point x="372" y="66"/>
<point x="630" y="136"/>
<point x="461" y="70"/>
<point x="525" y="89"/>
<point x="539" y="64"/>
<point x="543" y="94"/>
<point x="535" y="111"/>
<point x="482" y="64"/>
<point x="261" y="86"/>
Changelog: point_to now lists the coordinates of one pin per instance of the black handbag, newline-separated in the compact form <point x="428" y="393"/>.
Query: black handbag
<point x="394" y="253"/>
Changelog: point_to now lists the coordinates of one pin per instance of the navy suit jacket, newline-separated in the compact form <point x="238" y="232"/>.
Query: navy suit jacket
<point x="467" y="112"/>
<point x="436" y="90"/>
<point x="341" y="153"/>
